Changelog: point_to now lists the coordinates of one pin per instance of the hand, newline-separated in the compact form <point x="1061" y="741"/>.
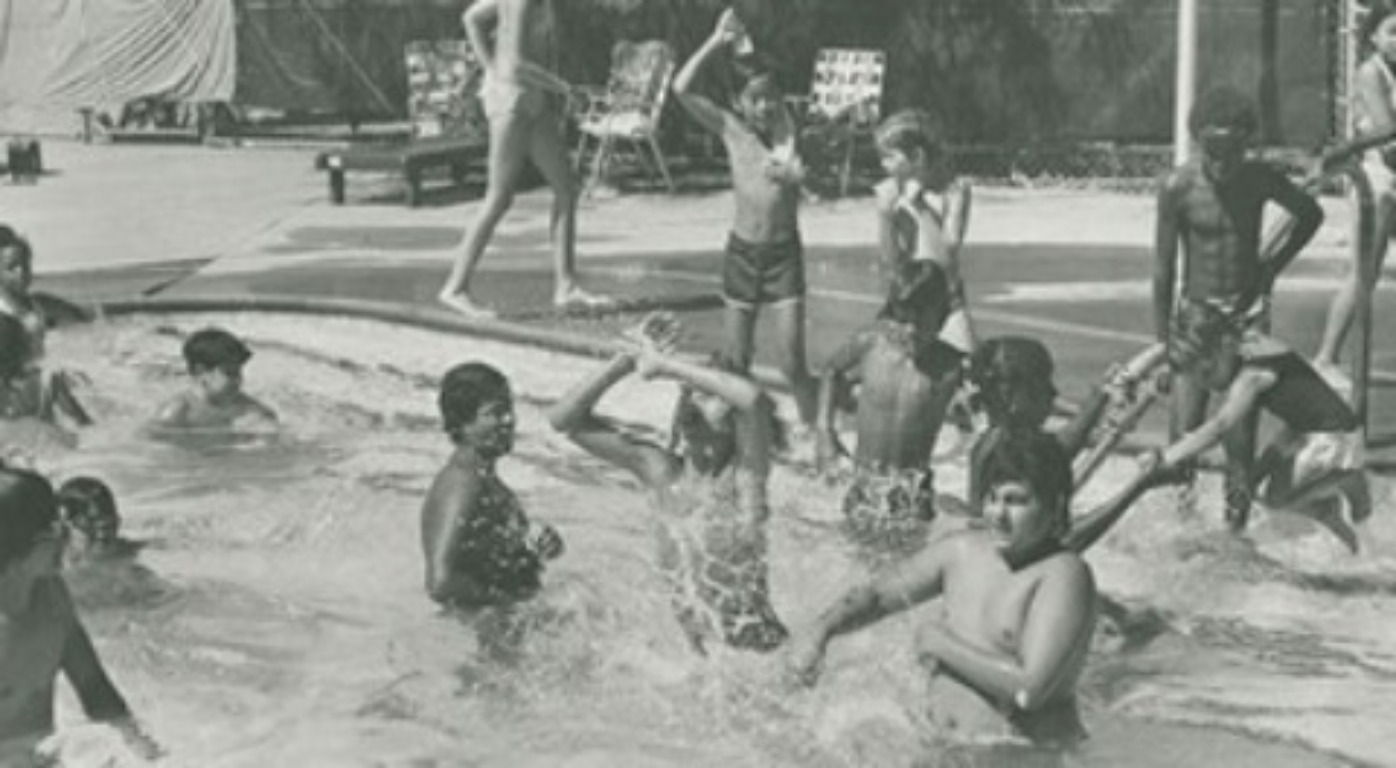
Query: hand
<point x="729" y="28"/>
<point x="930" y="638"/>
<point x="545" y="541"/>
<point x="804" y="658"/>
<point x="654" y="339"/>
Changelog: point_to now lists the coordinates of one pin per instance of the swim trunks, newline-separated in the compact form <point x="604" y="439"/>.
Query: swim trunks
<point x="1300" y="396"/>
<point x="502" y="97"/>
<point x="890" y="511"/>
<point x="762" y="273"/>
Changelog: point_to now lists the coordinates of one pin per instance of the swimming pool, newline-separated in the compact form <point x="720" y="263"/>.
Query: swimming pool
<point x="283" y="621"/>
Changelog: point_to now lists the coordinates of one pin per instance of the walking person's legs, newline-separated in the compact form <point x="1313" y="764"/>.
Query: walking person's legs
<point x="548" y="150"/>
<point x="510" y="142"/>
<point x="738" y="331"/>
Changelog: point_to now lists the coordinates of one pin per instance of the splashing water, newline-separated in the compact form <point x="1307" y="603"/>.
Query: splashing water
<point x="278" y="617"/>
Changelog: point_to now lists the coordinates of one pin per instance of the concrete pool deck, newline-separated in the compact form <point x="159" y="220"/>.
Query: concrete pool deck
<point x="254" y="227"/>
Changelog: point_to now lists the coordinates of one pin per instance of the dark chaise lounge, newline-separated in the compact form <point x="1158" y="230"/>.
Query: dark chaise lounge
<point x="409" y="159"/>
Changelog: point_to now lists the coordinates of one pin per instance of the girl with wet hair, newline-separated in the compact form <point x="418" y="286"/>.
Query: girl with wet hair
<point x="708" y="486"/>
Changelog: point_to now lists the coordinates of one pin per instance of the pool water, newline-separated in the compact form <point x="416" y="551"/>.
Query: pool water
<point x="277" y="614"/>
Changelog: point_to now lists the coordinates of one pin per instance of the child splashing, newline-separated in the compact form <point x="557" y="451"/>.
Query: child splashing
<point x="709" y="488"/>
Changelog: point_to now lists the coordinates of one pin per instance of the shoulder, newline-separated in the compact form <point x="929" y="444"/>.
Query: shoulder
<point x="1069" y="570"/>
<point x="1372" y="71"/>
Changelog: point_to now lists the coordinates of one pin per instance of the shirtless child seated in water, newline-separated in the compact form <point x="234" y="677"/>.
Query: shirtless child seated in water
<point x="215" y="360"/>
<point x="40" y="632"/>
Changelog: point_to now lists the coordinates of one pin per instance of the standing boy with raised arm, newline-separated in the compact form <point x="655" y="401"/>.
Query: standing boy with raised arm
<point x="1212" y="207"/>
<point x="522" y="97"/>
<point x="764" y="264"/>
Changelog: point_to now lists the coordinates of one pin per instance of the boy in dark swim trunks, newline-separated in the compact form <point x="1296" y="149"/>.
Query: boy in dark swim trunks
<point x="481" y="549"/>
<point x="764" y="264"/>
<point x="1212" y="208"/>
<point x="907" y="377"/>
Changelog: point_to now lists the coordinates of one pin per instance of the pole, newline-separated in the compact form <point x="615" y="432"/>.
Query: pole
<point x="1185" y="86"/>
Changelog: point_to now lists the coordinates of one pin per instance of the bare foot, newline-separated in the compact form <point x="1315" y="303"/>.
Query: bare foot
<point x="576" y="298"/>
<point x="461" y="303"/>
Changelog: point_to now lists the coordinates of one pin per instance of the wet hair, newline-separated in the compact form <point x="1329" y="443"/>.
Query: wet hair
<point x="1039" y="461"/>
<point x="910" y="130"/>
<point x="10" y="239"/>
<point x="464" y="389"/>
<point x="86" y="500"/>
<point x="28" y="508"/>
<point x="212" y="348"/>
<point x="1223" y="107"/>
<point x="14" y="347"/>
<point x="1003" y="369"/>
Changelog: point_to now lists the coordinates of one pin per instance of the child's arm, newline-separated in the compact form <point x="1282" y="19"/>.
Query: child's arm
<point x="59" y="399"/>
<point x="574" y="415"/>
<point x="1167" y="232"/>
<point x="892" y="257"/>
<point x="173" y="413"/>
<point x="708" y="114"/>
<point x="1307" y="215"/>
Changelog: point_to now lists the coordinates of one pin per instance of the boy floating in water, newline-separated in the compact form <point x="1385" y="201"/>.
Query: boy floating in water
<point x="516" y="43"/>
<point x="764" y="264"/>
<point x="40" y="633"/>
<point x="708" y="488"/>
<point x="215" y="360"/>
<point x="1212" y="207"/>
<point x="907" y="377"/>
<point x="481" y="549"/>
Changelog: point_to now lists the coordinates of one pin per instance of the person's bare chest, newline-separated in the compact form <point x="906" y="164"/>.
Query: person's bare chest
<point x="989" y="602"/>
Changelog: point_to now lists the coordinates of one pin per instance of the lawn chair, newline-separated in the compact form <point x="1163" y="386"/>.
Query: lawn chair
<point x="845" y="102"/>
<point x="628" y="108"/>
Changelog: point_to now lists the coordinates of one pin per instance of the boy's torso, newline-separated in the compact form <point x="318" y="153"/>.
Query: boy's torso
<point x="1221" y="226"/>
<point x="766" y="209"/>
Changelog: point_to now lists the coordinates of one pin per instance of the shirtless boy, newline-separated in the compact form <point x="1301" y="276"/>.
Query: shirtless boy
<point x="53" y="394"/>
<point x="215" y="360"/>
<point x="1212" y="208"/>
<point x="481" y="549"/>
<point x="516" y="43"/>
<point x="907" y="377"/>
<point x="40" y="633"/>
<point x="764" y="264"/>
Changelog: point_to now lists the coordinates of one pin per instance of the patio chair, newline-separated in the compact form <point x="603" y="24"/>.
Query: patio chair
<point x="845" y="101"/>
<point x="628" y="108"/>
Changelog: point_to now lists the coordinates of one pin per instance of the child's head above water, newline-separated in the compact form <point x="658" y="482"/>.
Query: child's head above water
<point x="89" y="507"/>
<point x="1038" y="462"/>
<point x="16" y="261"/>
<point x="912" y="146"/>
<point x="1013" y="375"/>
<point x="477" y="406"/>
<point x="215" y="349"/>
